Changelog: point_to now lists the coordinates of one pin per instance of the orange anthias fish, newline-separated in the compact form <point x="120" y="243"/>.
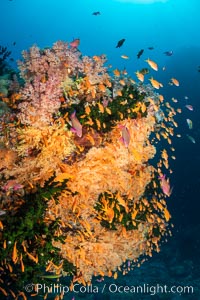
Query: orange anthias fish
<point x="75" y="43"/>
<point x="116" y="72"/>
<point x="175" y="81"/>
<point x="165" y="185"/>
<point x="140" y="76"/>
<point x="124" y="56"/>
<point x="152" y="64"/>
<point x="125" y="138"/>
<point x="76" y="125"/>
<point x="155" y="83"/>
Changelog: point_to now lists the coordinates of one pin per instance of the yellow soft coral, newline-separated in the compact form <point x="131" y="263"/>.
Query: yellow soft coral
<point x="114" y="168"/>
<point x="41" y="151"/>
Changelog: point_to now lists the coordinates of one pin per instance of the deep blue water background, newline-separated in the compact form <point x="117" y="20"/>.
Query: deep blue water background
<point x="173" y="25"/>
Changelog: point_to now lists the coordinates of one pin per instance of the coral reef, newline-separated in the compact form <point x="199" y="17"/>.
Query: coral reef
<point x="76" y="146"/>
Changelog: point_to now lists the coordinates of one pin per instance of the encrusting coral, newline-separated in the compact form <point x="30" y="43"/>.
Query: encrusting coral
<point x="80" y="141"/>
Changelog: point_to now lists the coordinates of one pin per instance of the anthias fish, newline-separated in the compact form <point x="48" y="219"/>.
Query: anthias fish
<point x="2" y="212"/>
<point x="189" y="122"/>
<point x="75" y="43"/>
<point x="152" y="64"/>
<point x="155" y="83"/>
<point x="189" y="107"/>
<point x="175" y="81"/>
<point x="124" y="56"/>
<point x="76" y="125"/>
<point x="191" y="138"/>
<point x="125" y="138"/>
<point x="165" y="185"/>
<point x="140" y="76"/>
<point x="12" y="185"/>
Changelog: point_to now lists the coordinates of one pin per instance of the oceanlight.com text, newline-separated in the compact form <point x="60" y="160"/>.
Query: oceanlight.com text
<point x="109" y="288"/>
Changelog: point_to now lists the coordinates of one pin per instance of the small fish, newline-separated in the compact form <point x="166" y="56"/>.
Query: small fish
<point x="2" y="212"/>
<point x="152" y="64"/>
<point x="191" y="138"/>
<point x="174" y="100"/>
<point x="100" y="279"/>
<point x="166" y="214"/>
<point x="168" y="53"/>
<point x="155" y="83"/>
<point x="144" y="71"/>
<point x="125" y="139"/>
<point x="12" y="185"/>
<point x="175" y="81"/>
<point x="116" y="72"/>
<point x="150" y="48"/>
<point x="186" y="97"/>
<point x="96" y="13"/>
<point x="165" y="185"/>
<point x="75" y="43"/>
<point x="51" y="276"/>
<point x="189" y="122"/>
<point x="102" y="87"/>
<point x="124" y="57"/>
<point x="140" y="53"/>
<point x="190" y="107"/>
<point x="140" y="76"/>
<point x="14" y="253"/>
<point x="120" y="43"/>
<point x="119" y="93"/>
<point x="101" y="107"/>
<point x="124" y="72"/>
<point x="122" y="82"/>
<point x="76" y="125"/>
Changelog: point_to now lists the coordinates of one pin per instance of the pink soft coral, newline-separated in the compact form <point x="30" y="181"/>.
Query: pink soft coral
<point x="44" y="71"/>
<point x="50" y="73"/>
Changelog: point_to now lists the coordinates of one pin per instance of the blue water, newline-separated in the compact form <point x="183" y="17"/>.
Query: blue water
<point x="171" y="25"/>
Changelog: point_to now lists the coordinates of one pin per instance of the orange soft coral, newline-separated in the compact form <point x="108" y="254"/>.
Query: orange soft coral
<point x="114" y="168"/>
<point x="40" y="152"/>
